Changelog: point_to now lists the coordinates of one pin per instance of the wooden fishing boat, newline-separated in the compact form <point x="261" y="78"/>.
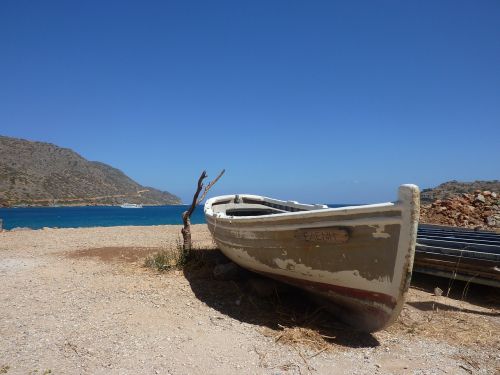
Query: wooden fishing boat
<point x="358" y="259"/>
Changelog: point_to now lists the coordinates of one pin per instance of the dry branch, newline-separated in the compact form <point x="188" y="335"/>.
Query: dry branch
<point x="209" y="186"/>
<point x="186" y="215"/>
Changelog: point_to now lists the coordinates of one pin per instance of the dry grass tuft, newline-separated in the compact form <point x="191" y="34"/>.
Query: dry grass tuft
<point x="168" y="259"/>
<point x="165" y="260"/>
<point x="301" y="336"/>
<point x="176" y="258"/>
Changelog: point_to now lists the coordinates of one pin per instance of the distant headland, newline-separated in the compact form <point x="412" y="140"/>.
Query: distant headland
<point x="43" y="174"/>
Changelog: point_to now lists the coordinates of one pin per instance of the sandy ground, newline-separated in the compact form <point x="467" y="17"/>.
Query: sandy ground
<point x="80" y="301"/>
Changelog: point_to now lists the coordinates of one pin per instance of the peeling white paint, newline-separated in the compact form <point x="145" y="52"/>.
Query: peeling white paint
<point x="287" y="264"/>
<point x="350" y="279"/>
<point x="379" y="231"/>
<point x="290" y="266"/>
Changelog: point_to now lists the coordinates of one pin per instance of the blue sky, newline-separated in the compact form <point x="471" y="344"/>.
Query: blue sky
<point x="315" y="101"/>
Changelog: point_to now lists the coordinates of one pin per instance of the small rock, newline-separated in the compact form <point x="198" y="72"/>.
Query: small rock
<point x="490" y="220"/>
<point x="494" y="195"/>
<point x="486" y="193"/>
<point x="480" y="198"/>
<point x="438" y="291"/>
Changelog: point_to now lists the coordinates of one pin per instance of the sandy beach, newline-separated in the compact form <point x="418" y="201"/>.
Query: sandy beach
<point x="80" y="301"/>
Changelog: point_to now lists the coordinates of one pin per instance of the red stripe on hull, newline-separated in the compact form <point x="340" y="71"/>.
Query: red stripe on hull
<point x="355" y="307"/>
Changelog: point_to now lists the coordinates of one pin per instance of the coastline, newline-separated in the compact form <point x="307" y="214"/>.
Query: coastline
<point x="57" y="205"/>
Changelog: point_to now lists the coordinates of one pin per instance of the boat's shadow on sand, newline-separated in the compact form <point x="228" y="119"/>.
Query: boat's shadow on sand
<point x="256" y="300"/>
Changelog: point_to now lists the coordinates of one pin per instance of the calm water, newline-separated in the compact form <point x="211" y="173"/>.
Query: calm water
<point x="75" y="217"/>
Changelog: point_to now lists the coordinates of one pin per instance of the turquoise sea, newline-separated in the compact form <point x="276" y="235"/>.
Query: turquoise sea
<point x="104" y="216"/>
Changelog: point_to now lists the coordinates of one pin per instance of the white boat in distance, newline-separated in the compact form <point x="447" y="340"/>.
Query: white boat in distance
<point x="131" y="205"/>
<point x="359" y="259"/>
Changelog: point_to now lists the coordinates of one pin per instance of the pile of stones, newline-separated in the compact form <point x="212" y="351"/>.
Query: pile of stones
<point x="479" y="210"/>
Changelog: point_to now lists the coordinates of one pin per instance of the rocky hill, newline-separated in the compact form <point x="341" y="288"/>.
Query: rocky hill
<point x="463" y="204"/>
<point x="454" y="188"/>
<point x="42" y="174"/>
<point x="480" y="210"/>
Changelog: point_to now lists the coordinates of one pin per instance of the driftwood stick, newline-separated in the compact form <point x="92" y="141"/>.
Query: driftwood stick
<point x="186" y="215"/>
<point x="198" y="190"/>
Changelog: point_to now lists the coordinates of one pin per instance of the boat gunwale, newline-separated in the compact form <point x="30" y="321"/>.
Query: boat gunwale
<point x="319" y="212"/>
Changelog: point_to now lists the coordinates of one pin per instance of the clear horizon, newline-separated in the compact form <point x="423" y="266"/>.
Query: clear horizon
<point x="323" y="102"/>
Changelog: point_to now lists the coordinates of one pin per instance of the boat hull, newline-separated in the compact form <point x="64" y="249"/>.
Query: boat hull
<point x="357" y="260"/>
